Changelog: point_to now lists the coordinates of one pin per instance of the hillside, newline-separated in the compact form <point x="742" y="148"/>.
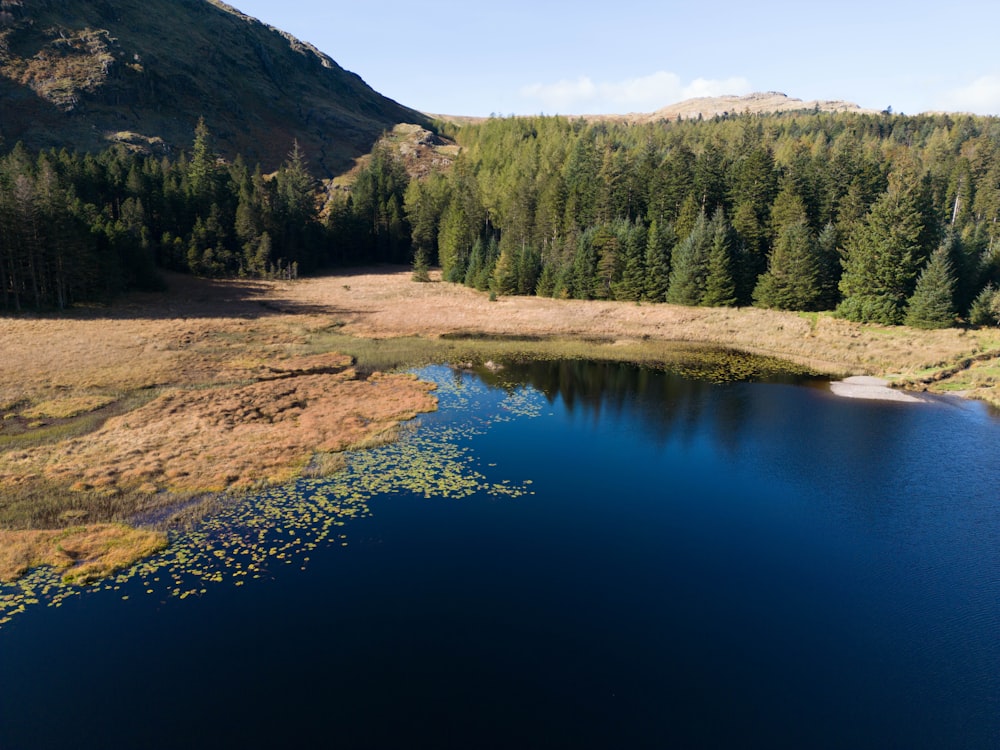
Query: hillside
<point x="756" y="103"/>
<point x="85" y="74"/>
<point x="707" y="107"/>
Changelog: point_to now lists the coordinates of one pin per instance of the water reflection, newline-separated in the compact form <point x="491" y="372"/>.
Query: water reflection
<point x="666" y="405"/>
<point x="587" y="555"/>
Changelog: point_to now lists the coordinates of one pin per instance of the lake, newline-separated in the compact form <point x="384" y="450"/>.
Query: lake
<point x="566" y="554"/>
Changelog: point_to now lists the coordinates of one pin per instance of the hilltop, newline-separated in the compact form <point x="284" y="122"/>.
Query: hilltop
<point x="83" y="75"/>
<point x="706" y="107"/>
<point x="769" y="102"/>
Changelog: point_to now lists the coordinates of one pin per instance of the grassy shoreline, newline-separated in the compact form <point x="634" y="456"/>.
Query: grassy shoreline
<point x="109" y="415"/>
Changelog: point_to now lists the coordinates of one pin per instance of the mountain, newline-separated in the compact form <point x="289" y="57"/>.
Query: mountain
<point x="87" y="73"/>
<point x="756" y="103"/>
<point x="706" y="106"/>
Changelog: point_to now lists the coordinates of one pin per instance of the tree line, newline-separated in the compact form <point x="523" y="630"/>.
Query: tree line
<point x="883" y="218"/>
<point x="78" y="228"/>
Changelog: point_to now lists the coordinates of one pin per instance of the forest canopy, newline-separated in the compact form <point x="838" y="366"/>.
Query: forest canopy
<point x="885" y="218"/>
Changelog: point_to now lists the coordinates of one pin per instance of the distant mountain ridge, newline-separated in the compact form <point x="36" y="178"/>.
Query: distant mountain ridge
<point x="706" y="107"/>
<point x="84" y="74"/>
<point x="755" y="103"/>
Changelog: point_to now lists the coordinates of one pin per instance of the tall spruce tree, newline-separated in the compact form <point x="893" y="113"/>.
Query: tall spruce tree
<point x="690" y="265"/>
<point x="659" y="242"/>
<point x="632" y="286"/>
<point x="933" y="302"/>
<point x="720" y="288"/>
<point x="883" y="255"/>
<point x="792" y="281"/>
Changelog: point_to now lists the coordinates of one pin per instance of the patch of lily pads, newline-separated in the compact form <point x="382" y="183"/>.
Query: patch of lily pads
<point x="248" y="539"/>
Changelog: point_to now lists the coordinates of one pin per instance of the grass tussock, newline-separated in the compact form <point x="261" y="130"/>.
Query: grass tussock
<point x="66" y="408"/>
<point x="83" y="553"/>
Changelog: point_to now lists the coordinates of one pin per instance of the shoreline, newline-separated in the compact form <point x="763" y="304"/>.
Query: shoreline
<point x="869" y="388"/>
<point x="132" y="408"/>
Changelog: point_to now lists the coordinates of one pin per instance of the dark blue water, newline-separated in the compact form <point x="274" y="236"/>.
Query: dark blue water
<point x="747" y="565"/>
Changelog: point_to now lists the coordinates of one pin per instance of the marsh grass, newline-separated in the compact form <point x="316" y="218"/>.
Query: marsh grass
<point x="40" y="503"/>
<point x="212" y="345"/>
<point x="83" y="553"/>
<point x="67" y="408"/>
<point x="18" y="433"/>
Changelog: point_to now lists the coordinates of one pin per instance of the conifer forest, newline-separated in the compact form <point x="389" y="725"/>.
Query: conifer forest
<point x="881" y="217"/>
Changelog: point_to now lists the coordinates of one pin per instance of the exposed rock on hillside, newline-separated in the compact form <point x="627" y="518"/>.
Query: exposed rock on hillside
<point x="85" y="73"/>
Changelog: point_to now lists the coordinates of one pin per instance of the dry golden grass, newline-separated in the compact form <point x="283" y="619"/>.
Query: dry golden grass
<point x="382" y="305"/>
<point x="84" y="553"/>
<point x="225" y="438"/>
<point x="227" y="385"/>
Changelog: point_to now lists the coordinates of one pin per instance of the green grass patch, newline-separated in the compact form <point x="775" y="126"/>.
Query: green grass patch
<point x="19" y="433"/>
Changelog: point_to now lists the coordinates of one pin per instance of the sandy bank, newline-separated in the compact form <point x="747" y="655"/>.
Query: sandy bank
<point x="874" y="389"/>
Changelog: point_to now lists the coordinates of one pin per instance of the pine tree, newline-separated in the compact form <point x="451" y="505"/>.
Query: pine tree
<point x="546" y="285"/>
<point x="608" y="249"/>
<point x="792" y="281"/>
<point x="632" y="286"/>
<point x="830" y="268"/>
<point x="421" y="268"/>
<point x="933" y="302"/>
<point x="455" y="240"/>
<point x="985" y="308"/>
<point x="504" y="280"/>
<point x="720" y="289"/>
<point x="583" y="278"/>
<point x="201" y="171"/>
<point x="690" y="265"/>
<point x="882" y="259"/>
<point x="529" y="265"/>
<point x="659" y="243"/>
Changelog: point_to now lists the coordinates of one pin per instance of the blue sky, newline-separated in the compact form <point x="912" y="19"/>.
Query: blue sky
<point x="618" y="56"/>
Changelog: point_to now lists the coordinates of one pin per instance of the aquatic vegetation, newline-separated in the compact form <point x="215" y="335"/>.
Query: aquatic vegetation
<point x="248" y="538"/>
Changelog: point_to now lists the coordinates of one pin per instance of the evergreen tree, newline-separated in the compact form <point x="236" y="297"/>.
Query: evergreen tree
<point x="985" y="308"/>
<point x="201" y="172"/>
<point x="932" y="304"/>
<point x="421" y="268"/>
<point x="296" y="215"/>
<point x="882" y="259"/>
<point x="608" y="248"/>
<point x="830" y="268"/>
<point x="792" y="281"/>
<point x="720" y="289"/>
<point x="424" y="204"/>
<point x="583" y="280"/>
<point x="546" y="285"/>
<point x="529" y="264"/>
<point x="690" y="265"/>
<point x="504" y="280"/>
<point x="455" y="240"/>
<point x="632" y="286"/>
<point x="659" y="243"/>
<point x="477" y="260"/>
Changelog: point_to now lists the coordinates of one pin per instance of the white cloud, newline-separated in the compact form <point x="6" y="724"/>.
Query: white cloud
<point x="562" y="95"/>
<point x="982" y="96"/>
<point x="705" y="87"/>
<point x="643" y="94"/>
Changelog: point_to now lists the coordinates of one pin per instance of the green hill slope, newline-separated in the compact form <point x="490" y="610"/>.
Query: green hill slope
<point x="85" y="73"/>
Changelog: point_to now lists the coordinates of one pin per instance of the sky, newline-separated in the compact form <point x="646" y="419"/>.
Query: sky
<point x="620" y="56"/>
